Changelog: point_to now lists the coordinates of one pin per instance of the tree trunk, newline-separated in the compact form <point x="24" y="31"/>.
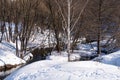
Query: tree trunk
<point x="99" y="29"/>
<point x="68" y="30"/>
<point x="98" y="43"/>
<point x="17" y="50"/>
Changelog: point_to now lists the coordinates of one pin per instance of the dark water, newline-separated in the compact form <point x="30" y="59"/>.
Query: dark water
<point x="3" y="74"/>
<point x="38" y="54"/>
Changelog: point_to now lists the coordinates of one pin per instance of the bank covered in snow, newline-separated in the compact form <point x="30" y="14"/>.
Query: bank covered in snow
<point x="112" y="59"/>
<point x="8" y="59"/>
<point x="57" y="68"/>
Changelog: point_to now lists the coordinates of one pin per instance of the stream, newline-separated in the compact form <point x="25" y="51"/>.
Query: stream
<point x="3" y="74"/>
<point x="38" y="54"/>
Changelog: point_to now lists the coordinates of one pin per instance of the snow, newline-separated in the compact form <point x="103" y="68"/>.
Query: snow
<point x="113" y="59"/>
<point x="1" y="63"/>
<point x="28" y="57"/>
<point x="75" y="57"/>
<point x="56" y="67"/>
<point x="86" y="48"/>
<point x="62" y="56"/>
<point x="7" y="55"/>
<point x="55" y="70"/>
<point x="41" y="39"/>
<point x="9" y="58"/>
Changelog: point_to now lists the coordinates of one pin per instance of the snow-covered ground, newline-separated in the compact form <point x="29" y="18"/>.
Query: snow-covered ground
<point x="7" y="54"/>
<point x="113" y="59"/>
<point x="56" y="67"/>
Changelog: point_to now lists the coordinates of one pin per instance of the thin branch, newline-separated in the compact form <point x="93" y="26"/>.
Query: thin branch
<point x="80" y="14"/>
<point x="61" y="13"/>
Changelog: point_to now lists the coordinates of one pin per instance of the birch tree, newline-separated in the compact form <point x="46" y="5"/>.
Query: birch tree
<point x="71" y="11"/>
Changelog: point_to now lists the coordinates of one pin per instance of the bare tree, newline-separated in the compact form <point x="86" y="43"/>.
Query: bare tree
<point x="100" y="17"/>
<point x="71" y="12"/>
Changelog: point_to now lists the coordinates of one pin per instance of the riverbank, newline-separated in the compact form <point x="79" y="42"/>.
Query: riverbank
<point x="56" y="67"/>
<point x="8" y="60"/>
<point x="8" y="69"/>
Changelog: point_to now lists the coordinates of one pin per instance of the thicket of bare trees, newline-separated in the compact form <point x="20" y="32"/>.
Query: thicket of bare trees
<point x="103" y="20"/>
<point x="68" y="19"/>
<point x="18" y="19"/>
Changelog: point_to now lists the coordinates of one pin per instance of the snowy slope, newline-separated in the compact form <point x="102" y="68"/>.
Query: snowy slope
<point x="7" y="55"/>
<point x="113" y="59"/>
<point x="57" y="68"/>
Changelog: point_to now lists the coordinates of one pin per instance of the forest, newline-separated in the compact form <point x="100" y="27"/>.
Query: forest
<point x="64" y="24"/>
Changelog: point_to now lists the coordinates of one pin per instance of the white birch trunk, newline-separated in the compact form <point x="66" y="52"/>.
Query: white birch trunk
<point x="68" y="27"/>
<point x="68" y="30"/>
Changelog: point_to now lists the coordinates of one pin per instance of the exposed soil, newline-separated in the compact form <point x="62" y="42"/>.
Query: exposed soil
<point x="8" y="67"/>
